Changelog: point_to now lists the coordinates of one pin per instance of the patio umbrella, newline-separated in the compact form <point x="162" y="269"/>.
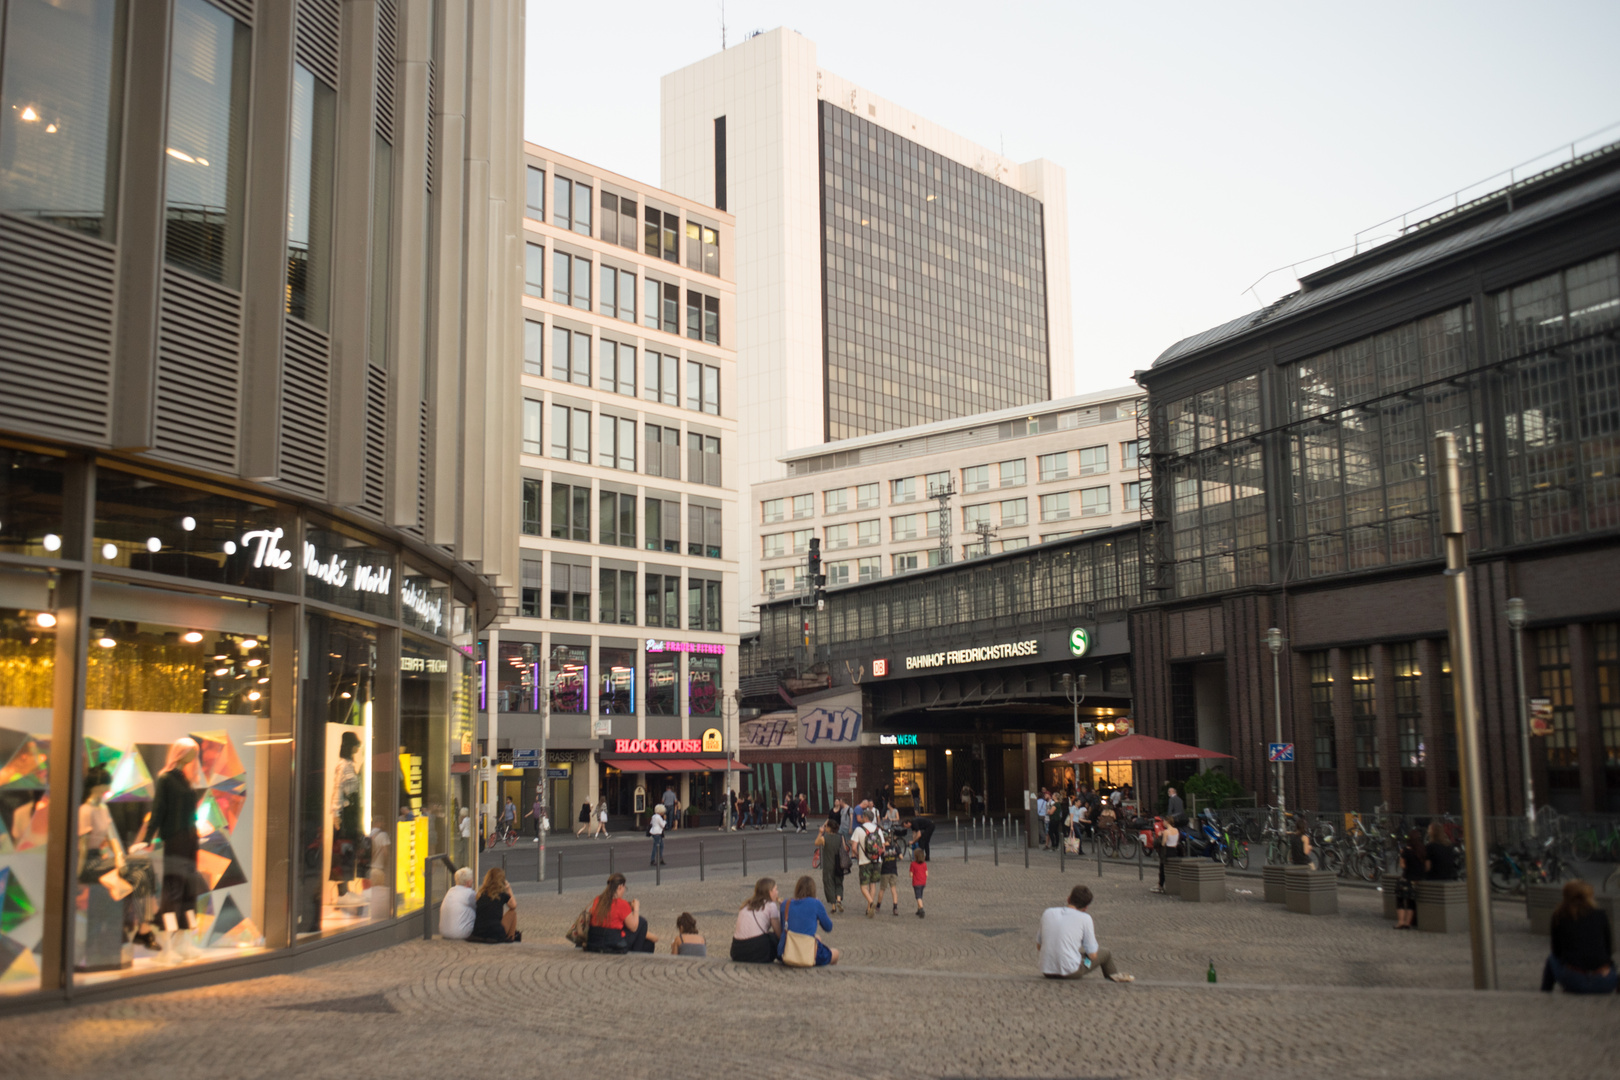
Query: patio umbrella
<point x="1136" y="748"/>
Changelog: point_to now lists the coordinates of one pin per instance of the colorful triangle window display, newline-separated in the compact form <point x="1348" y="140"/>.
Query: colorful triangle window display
<point x="217" y="758"/>
<point x="98" y="753"/>
<point x="231" y="927"/>
<point x="17" y="964"/>
<point x="131" y="780"/>
<point x="26" y="771"/>
<point x="218" y="864"/>
<point x="222" y="808"/>
<point x="16" y="907"/>
<point x="31" y="825"/>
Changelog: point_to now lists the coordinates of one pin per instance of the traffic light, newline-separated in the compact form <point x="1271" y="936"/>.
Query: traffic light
<point x="815" y="559"/>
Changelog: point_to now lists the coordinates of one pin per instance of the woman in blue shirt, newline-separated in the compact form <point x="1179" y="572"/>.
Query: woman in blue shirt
<point x="803" y="915"/>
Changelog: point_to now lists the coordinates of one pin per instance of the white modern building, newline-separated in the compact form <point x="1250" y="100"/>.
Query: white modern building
<point x="626" y="629"/>
<point x="890" y="272"/>
<point x="1017" y="477"/>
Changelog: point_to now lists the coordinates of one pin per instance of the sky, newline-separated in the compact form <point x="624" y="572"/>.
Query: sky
<point x="1206" y="145"/>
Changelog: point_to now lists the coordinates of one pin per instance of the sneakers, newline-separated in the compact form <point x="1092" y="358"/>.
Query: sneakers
<point x="869" y="913"/>
<point x="921" y="914"/>
<point x="896" y="911"/>
<point x="1123" y="978"/>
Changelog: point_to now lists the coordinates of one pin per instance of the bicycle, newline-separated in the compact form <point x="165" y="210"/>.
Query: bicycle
<point x="504" y="831"/>
<point x="1512" y="869"/>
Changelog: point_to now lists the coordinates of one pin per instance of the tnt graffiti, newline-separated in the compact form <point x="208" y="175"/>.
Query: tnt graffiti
<point x="830" y="726"/>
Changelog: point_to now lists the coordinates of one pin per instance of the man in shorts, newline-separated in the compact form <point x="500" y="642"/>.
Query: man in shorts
<point x="868" y="844"/>
<point x="889" y="875"/>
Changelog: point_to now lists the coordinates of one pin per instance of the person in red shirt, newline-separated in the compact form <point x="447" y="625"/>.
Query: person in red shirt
<point x="919" y="876"/>
<point x="617" y="925"/>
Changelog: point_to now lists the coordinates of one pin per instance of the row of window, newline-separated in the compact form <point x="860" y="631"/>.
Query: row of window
<point x="568" y="596"/>
<point x="616" y="445"/>
<point x="659" y="235"/>
<point x="870" y="568"/>
<point x="616" y="368"/>
<point x="571" y="281"/>
<point x="568" y="517"/>
<point x="516" y="681"/>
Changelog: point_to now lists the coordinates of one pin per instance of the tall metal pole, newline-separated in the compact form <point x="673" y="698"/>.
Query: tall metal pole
<point x="1274" y="638"/>
<point x="545" y="767"/>
<point x="730" y="710"/>
<point x="1516" y="617"/>
<point x="492" y="672"/>
<point x="1481" y="933"/>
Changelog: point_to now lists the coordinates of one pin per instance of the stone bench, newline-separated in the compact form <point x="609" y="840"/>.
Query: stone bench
<point x="1442" y="907"/>
<point x="1275" y="887"/>
<point x="1539" y="902"/>
<point x="1203" y="881"/>
<point x="1311" y="892"/>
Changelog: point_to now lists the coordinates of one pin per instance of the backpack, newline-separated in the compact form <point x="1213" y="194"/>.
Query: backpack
<point x="872" y="844"/>
<point x="842" y="866"/>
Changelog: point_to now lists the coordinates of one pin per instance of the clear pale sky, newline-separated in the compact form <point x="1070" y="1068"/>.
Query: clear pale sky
<point x="1205" y="144"/>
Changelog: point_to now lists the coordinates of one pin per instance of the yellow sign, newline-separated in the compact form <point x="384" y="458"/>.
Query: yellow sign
<point x="711" y="741"/>
<point x="411" y="850"/>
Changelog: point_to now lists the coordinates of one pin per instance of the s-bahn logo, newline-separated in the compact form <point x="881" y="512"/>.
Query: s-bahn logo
<point x="1079" y="641"/>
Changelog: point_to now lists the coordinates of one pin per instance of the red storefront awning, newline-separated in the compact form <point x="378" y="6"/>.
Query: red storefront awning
<point x="672" y="765"/>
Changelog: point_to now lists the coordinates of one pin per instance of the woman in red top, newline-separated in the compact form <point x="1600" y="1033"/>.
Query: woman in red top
<point x="616" y="923"/>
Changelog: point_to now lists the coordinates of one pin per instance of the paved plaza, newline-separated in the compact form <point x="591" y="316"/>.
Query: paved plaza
<point x="951" y="995"/>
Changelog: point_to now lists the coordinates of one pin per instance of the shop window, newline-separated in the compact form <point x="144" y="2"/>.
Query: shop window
<point x="516" y="679"/>
<point x="420" y="827"/>
<point x="661" y="675"/>
<point x="149" y="526"/>
<point x="26" y="697"/>
<point x="341" y="569"/>
<point x="570" y="680"/>
<point x="616" y="689"/>
<point x="703" y="685"/>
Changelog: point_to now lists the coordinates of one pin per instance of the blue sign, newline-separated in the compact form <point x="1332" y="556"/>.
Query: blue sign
<point x="557" y="774"/>
<point x="525" y="759"/>
<point x="1281" y="751"/>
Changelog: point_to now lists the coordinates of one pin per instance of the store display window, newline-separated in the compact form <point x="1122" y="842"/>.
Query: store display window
<point x="190" y="533"/>
<point x="661" y="676"/>
<point x="703" y="685"/>
<point x="570" y="679"/>
<point x="517" y="677"/>
<point x="27" y="673"/>
<point x="618" y="691"/>
<point x="342" y="570"/>
<point x="424" y="773"/>
<point x="31" y="504"/>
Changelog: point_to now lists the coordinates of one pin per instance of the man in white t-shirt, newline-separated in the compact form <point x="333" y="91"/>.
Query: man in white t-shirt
<point x="866" y="835"/>
<point x="457" y="912"/>
<point x="1068" y="942"/>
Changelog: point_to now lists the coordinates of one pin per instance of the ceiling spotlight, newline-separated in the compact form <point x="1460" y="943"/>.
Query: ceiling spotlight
<point x="230" y="547"/>
<point x="29" y="114"/>
<point x="264" y="679"/>
<point x="106" y="642"/>
<point x="191" y="637"/>
<point x="253" y="695"/>
<point x="249" y="643"/>
<point x="221" y="672"/>
<point x="153" y="544"/>
<point x="254" y="663"/>
<point x="345" y="695"/>
<point x="53" y="542"/>
<point x="109" y="552"/>
<point x="45" y="619"/>
<point x="188" y="523"/>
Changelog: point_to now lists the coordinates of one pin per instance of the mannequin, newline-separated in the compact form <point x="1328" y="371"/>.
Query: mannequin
<point x="173" y="820"/>
<point x="345" y="811"/>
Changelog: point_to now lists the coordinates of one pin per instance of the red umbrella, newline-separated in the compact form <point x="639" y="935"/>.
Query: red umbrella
<point x="1136" y="748"/>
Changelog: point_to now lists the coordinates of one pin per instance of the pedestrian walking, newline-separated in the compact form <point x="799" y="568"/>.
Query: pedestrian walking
<point x="867" y="841"/>
<point x="804" y="811"/>
<point x="537" y="811"/>
<point x="601" y="818"/>
<point x="1068" y="945"/>
<point x="1582" y="957"/>
<point x="584" y="819"/>
<point x="1040" y="816"/>
<point x="674" y="820"/>
<point x="967" y="801"/>
<point x="759" y="925"/>
<point x="655" y="829"/>
<point x="831" y="846"/>
<point x="1175" y="809"/>
<point x="688" y="942"/>
<point x="1057" y="810"/>
<point x="889" y="877"/>
<point x="919" y="877"/>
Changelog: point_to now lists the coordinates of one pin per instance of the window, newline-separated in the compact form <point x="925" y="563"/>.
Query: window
<point x="976" y="478"/>
<point x="207" y="129"/>
<point x="1606" y="639"/>
<point x="1054" y="466"/>
<point x="570" y="667"/>
<point x="617" y="687"/>
<point x="534" y="261"/>
<point x="532" y="603"/>
<point x="1093" y="460"/>
<point x="1408" y="703"/>
<point x="571" y="434"/>
<point x="774" y="581"/>
<point x="618" y="368"/>
<point x="866" y="497"/>
<point x="1130" y="454"/>
<point x="703" y="459"/>
<point x="571" y="206"/>
<point x="570" y="590"/>
<point x="619" y="220"/>
<point x="570" y="356"/>
<point x="868" y="569"/>
<point x="660" y="235"/>
<point x="702" y="603"/>
<point x="309" y="198"/>
<point x="616" y="442"/>
<point x="1133" y="495"/>
<point x="974" y="516"/>
<point x="570" y="512"/>
<point x="1055" y="507"/>
<point x="616" y="519"/>
<point x="903" y="527"/>
<point x="1094" y="502"/>
<point x="1015" y="543"/>
<point x="1322" y="712"/>
<point x="803" y="506"/>
<point x="1012" y="473"/>
<point x="54" y="163"/>
<point x="661" y="311"/>
<point x="1557" y="685"/>
<point x="936" y="482"/>
<point x="610" y="218"/>
<point x="703" y="680"/>
<point x="703" y="387"/>
<point x="1364" y="708"/>
<point x="608" y="295"/>
<point x="774" y="545"/>
<point x="627" y="223"/>
<point x="533" y="360"/>
<point x="531" y="426"/>
<point x="868" y="532"/>
<point x="835" y="501"/>
<point x="772" y="511"/>
<point x="661" y="675"/>
<point x="801" y="540"/>
<point x="837" y="536"/>
<point x="838" y="572"/>
<point x="663" y="452"/>
<point x="570" y="280"/>
<point x="661" y="383"/>
<point x="906" y="561"/>
<point x="1015" y="512"/>
<point x="626" y="296"/>
<point x="702" y="530"/>
<point x="903" y="491"/>
<point x="534" y="507"/>
<point x="702" y="248"/>
<point x="662" y="518"/>
<point x="616" y="596"/>
<point x="711" y="320"/>
<point x="662" y="594"/>
<point x="582" y="209"/>
<point x="535" y="204"/>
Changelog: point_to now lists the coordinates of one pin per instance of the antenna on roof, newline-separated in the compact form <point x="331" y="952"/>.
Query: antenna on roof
<point x="722" y="25"/>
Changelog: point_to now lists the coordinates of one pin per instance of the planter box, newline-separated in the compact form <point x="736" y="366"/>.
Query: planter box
<point x="1172" y="876"/>
<point x="1539" y="902"/>
<point x="1276" y="888"/>
<point x="1311" y="892"/>
<point x="1202" y="881"/>
<point x="1388" y="891"/>
<point x="1442" y="907"/>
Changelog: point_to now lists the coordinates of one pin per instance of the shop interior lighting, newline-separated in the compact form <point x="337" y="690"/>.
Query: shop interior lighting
<point x="230" y="547"/>
<point x="106" y="642"/>
<point x="345" y="695"/>
<point x="53" y="542"/>
<point x="29" y="114"/>
<point x="221" y="672"/>
<point x="255" y="662"/>
<point x="188" y="523"/>
<point x="264" y="679"/>
<point x="276" y="740"/>
<point x="109" y="552"/>
<point x="249" y="643"/>
<point x="153" y="544"/>
<point x="191" y="637"/>
<point x="45" y="619"/>
<point x="253" y="695"/>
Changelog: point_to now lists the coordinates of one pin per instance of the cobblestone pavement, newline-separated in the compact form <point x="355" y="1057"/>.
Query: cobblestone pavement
<point x="952" y="995"/>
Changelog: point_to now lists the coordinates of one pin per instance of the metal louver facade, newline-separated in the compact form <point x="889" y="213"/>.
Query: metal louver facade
<point x="306" y="398"/>
<point x="199" y="372"/>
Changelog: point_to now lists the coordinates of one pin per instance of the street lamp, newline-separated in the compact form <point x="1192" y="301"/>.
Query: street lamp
<point x="1516" y="617"/>
<point x="1275" y="639"/>
<point x="1075" y="698"/>
<point x="730" y="707"/>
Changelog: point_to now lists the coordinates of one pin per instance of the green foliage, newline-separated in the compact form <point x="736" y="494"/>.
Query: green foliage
<point x="1212" y="788"/>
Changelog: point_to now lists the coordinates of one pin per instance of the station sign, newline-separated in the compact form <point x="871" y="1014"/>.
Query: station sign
<point x="1079" y="641"/>
<point x="1005" y="650"/>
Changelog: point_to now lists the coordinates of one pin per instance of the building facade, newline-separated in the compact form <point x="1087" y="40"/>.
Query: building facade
<point x="1015" y="477"/>
<point x="626" y="627"/>
<point x="1290" y="454"/>
<point x="253" y="510"/>
<point x="890" y="272"/>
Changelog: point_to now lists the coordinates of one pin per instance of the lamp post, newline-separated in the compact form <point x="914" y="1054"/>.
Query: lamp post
<point x="1075" y="698"/>
<point x="1516" y="617"/>
<point x="545" y="764"/>
<point x="1275" y="639"/>
<point x="730" y="709"/>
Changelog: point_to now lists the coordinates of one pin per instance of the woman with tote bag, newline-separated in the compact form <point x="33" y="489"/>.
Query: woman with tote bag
<point x="800" y="918"/>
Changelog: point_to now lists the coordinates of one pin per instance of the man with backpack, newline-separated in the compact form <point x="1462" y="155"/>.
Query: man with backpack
<point x="867" y="841"/>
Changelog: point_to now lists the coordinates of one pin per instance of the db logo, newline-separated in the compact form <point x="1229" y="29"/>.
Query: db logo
<point x="880" y="668"/>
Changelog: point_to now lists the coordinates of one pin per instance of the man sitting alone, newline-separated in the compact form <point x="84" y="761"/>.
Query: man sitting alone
<point x="457" y="913"/>
<point x="1068" y="942"/>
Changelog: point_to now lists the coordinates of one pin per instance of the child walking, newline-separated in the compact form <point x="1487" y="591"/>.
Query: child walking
<point x="919" y="877"/>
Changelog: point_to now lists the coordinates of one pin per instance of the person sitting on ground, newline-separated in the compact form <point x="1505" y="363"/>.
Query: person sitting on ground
<point x="1299" y="846"/>
<point x="759" y="925"/>
<point x="495" y="911"/>
<point x="459" y="910"/>
<point x="1442" y="856"/>
<point x="1068" y="945"/>
<point x="617" y="925"/>
<point x="1582" y="957"/>
<point x="1413" y="862"/>
<point x="688" y="942"/>
<point x="802" y="915"/>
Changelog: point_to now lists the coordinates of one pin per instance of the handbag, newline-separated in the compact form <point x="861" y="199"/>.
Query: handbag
<point x="581" y="930"/>
<point x="1071" y="845"/>
<point x="799" y="949"/>
<point x="815" y="859"/>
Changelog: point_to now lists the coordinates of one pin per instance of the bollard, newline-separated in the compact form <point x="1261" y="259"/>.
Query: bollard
<point x="559" y="873"/>
<point x="1062" y="852"/>
<point x="957" y="822"/>
<point x="1099" y="860"/>
<point x="745" y="856"/>
<point x="610" y="860"/>
<point x="964" y="849"/>
<point x="784" y="853"/>
<point x="1026" y="856"/>
<point x="700" y="861"/>
<point x="503" y="862"/>
<point x="995" y="849"/>
<point x="1139" y="862"/>
<point x="658" y="873"/>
